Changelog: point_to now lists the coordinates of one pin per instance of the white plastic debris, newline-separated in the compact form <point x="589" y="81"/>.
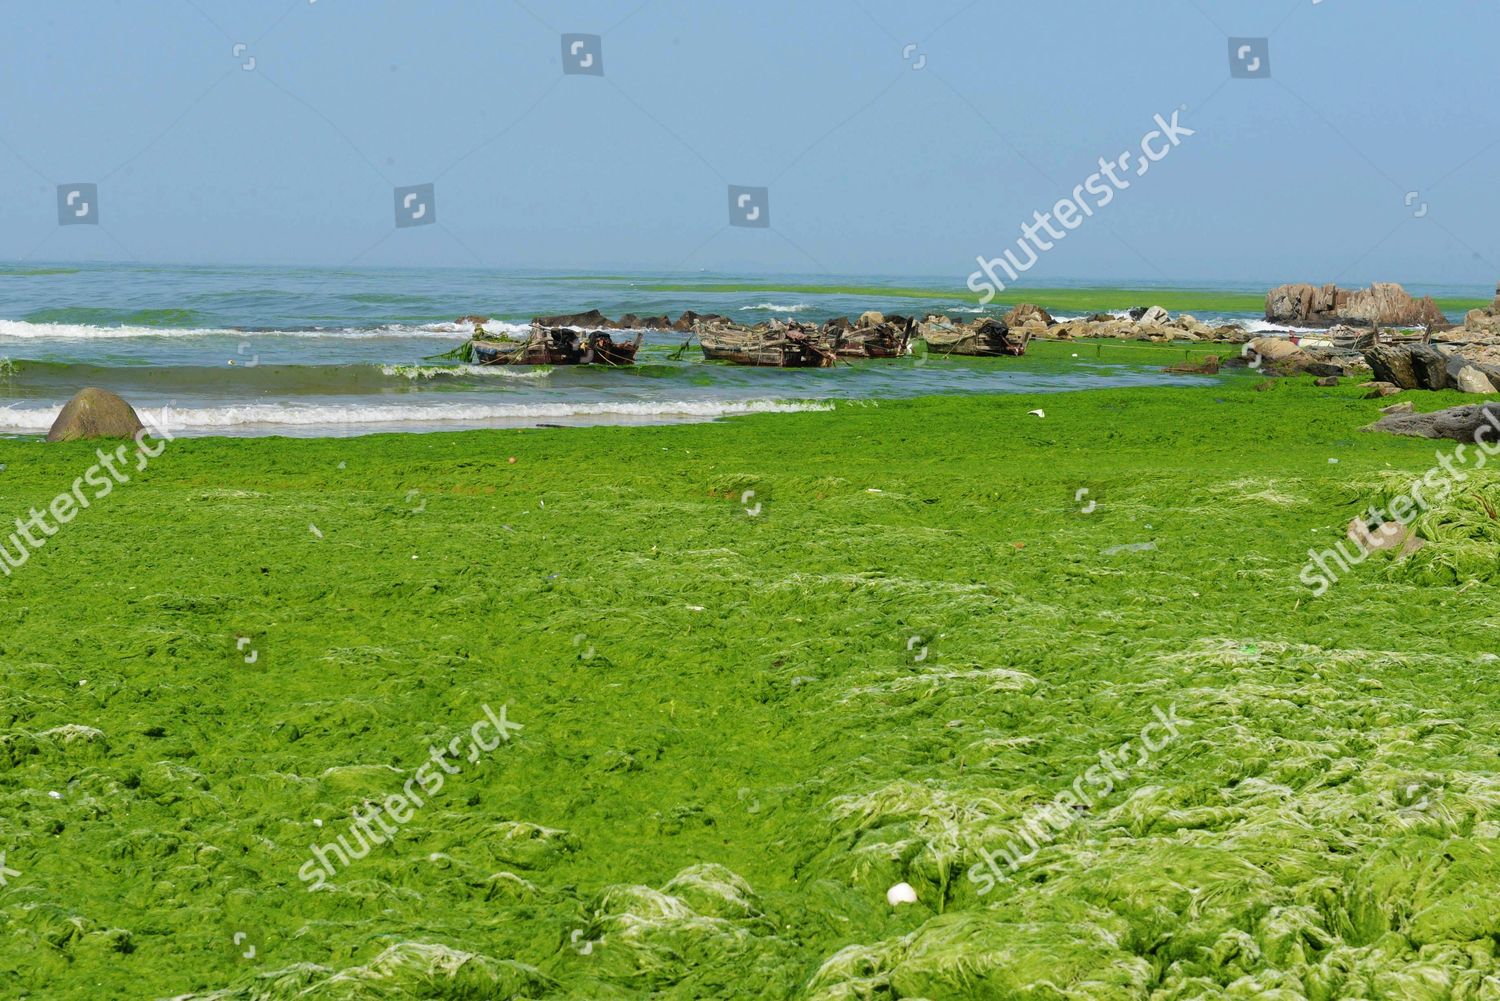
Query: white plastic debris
<point x="901" y="893"/>
<point x="314" y="530"/>
<point x="1036" y="413"/>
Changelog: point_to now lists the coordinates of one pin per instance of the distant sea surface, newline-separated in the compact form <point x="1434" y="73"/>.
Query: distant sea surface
<point x="321" y="351"/>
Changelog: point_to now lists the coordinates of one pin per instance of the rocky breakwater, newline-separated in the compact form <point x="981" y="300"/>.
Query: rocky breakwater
<point x="1383" y="304"/>
<point x="1149" y="323"/>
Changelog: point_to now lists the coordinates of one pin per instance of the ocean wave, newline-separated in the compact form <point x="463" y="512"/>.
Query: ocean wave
<point x="24" y="330"/>
<point x="774" y="308"/>
<point x="21" y="420"/>
<point x="1265" y="326"/>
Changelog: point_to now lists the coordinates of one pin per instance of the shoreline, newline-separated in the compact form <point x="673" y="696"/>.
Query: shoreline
<point x="576" y="396"/>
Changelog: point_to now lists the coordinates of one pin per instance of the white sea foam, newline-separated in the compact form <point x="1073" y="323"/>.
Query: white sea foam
<point x="415" y="372"/>
<point x="774" y="308"/>
<point x="1118" y="314"/>
<point x="22" y="330"/>
<point x="1264" y="326"/>
<point x="16" y="419"/>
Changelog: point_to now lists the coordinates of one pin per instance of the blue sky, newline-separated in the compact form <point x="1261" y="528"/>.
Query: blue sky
<point x="874" y="166"/>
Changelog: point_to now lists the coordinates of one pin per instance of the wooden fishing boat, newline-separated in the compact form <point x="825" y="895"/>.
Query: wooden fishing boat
<point x="890" y="338"/>
<point x="554" y="346"/>
<point x="791" y="346"/>
<point x="986" y="339"/>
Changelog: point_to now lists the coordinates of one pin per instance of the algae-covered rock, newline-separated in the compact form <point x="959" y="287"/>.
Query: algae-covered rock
<point x="95" y="413"/>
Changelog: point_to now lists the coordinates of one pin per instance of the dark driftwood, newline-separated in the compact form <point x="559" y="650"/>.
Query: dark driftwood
<point x="1455" y="423"/>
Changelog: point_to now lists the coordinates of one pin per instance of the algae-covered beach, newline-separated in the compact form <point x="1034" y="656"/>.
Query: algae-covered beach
<point x="701" y="695"/>
<point x="639" y="500"/>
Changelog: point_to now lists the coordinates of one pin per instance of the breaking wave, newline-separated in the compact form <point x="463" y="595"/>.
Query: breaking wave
<point x="25" y="420"/>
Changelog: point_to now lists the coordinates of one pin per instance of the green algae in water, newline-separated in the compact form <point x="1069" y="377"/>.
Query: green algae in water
<point x="717" y="784"/>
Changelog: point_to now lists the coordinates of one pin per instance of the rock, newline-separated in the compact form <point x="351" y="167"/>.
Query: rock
<point x="1392" y="364"/>
<point x="1273" y="348"/>
<point x="1455" y="423"/>
<point x="1153" y="315"/>
<point x="686" y="321"/>
<point x="632" y="322"/>
<point x="95" y="413"/>
<point x="1470" y="380"/>
<point x="592" y="320"/>
<point x="1410" y="366"/>
<point x="1296" y="305"/>
<point x="1327" y="380"/>
<point x="1028" y="314"/>
<point x="477" y="321"/>
<point x="1405" y="407"/>
<point x="1378" y="390"/>
<point x="1430" y="366"/>
<point x="870" y="318"/>
<point x="1386" y="304"/>
<point x="1323" y="362"/>
<point x="1484" y="357"/>
<point x="1386" y="537"/>
<point x="1382" y="304"/>
<point x="1209" y="365"/>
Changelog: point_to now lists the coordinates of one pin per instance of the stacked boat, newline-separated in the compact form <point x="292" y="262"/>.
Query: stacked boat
<point x="986" y="339"/>
<point x="790" y="344"/>
<point x="552" y="346"/>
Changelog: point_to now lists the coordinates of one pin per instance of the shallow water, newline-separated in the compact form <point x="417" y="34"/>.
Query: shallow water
<point x="309" y="351"/>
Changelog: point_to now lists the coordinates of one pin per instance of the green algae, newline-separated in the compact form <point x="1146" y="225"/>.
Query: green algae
<point x="741" y="729"/>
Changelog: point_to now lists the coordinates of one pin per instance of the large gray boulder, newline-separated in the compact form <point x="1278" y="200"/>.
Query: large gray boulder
<point x="1470" y="380"/>
<point x="1455" y="423"/>
<point x="1407" y="366"/>
<point x="95" y="413"/>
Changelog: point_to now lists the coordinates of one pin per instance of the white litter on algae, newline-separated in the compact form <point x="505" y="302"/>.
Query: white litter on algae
<point x="768" y="721"/>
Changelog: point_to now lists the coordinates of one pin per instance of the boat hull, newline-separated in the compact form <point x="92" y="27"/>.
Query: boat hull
<point x="557" y="346"/>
